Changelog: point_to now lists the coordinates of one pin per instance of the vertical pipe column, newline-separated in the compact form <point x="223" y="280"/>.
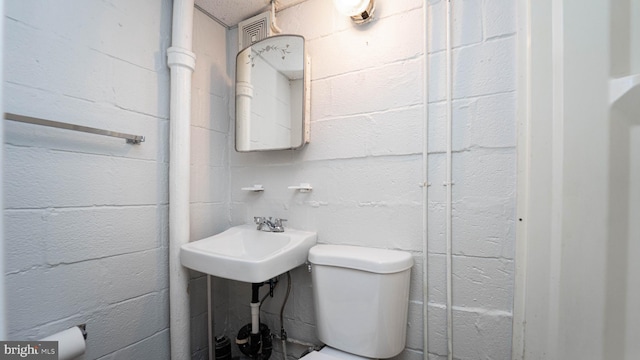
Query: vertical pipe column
<point x="181" y="60"/>
<point x="425" y="186"/>
<point x="212" y="349"/>
<point x="244" y="98"/>
<point x="449" y="184"/>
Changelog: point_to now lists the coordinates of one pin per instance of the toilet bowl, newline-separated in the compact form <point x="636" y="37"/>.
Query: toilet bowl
<point x="361" y="298"/>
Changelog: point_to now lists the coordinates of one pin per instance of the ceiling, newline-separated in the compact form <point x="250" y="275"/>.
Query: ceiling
<point x="231" y="12"/>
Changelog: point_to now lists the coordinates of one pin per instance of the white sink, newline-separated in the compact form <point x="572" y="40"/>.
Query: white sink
<point x="245" y="254"/>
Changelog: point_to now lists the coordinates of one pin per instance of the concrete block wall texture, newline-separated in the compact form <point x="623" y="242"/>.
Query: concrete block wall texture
<point x="210" y="123"/>
<point x="87" y="215"/>
<point x="365" y="159"/>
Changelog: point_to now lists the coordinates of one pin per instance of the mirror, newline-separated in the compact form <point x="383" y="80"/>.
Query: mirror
<point x="272" y="95"/>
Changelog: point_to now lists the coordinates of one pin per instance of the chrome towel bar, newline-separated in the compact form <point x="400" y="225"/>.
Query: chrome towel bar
<point x="131" y="139"/>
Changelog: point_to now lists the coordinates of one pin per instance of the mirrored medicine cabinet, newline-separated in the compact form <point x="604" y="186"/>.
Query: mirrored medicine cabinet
<point x="272" y="95"/>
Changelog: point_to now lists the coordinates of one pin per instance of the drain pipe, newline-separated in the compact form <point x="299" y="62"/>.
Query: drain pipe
<point x="181" y="61"/>
<point x="283" y="333"/>
<point x="274" y="26"/>
<point x="449" y="185"/>
<point x="425" y="186"/>
<point x="254" y="339"/>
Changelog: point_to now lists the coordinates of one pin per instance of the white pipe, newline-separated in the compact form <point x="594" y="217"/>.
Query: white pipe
<point x="3" y="321"/>
<point x="425" y="186"/>
<point x="244" y="98"/>
<point x="212" y="349"/>
<point x="449" y="184"/>
<point x="255" y="318"/>
<point x="181" y="60"/>
<point x="274" y="26"/>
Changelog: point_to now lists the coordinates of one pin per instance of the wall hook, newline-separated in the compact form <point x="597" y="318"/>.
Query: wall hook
<point x="254" y="188"/>
<point x="303" y="187"/>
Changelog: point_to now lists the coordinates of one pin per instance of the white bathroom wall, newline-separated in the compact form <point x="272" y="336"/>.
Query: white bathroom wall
<point x="86" y="215"/>
<point x="210" y="121"/>
<point x="365" y="158"/>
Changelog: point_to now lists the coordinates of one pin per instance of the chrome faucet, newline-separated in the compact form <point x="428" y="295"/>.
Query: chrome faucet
<point x="265" y="224"/>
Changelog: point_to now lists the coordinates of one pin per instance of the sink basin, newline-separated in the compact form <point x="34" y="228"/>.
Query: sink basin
<point x="243" y="253"/>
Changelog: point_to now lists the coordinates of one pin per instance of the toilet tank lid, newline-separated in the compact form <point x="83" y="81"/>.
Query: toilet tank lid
<point x="381" y="261"/>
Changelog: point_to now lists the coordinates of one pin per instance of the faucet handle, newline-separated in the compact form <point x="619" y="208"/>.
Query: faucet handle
<point x="258" y="219"/>
<point x="278" y="221"/>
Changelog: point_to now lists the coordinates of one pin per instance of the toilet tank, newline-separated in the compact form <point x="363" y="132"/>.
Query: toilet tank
<point x="361" y="298"/>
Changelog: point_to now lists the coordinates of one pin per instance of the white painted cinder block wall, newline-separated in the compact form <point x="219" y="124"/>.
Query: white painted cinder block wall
<point x="210" y="123"/>
<point x="86" y="215"/>
<point x="365" y="158"/>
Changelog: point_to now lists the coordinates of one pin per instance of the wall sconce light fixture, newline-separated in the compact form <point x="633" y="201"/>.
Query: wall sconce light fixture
<point x="360" y="11"/>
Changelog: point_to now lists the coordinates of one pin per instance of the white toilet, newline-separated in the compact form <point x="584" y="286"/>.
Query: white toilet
<point x="361" y="297"/>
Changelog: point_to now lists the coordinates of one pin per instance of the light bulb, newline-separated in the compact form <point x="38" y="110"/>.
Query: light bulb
<point x="351" y="7"/>
<point x="359" y="10"/>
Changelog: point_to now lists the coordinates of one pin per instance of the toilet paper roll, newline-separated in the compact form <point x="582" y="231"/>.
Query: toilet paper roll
<point x="71" y="342"/>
